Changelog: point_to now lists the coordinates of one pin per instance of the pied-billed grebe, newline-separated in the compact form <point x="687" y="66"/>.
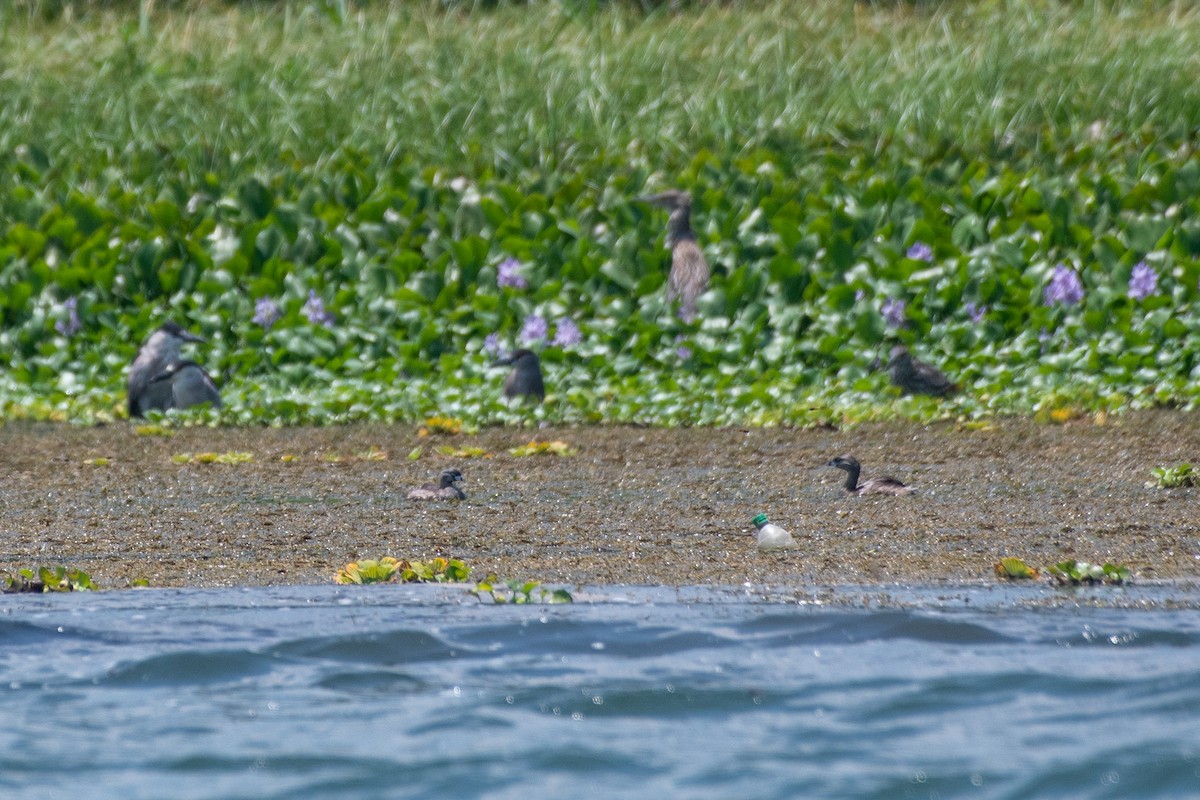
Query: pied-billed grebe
<point x="525" y="378"/>
<point x="445" y="489"/>
<point x="689" y="268"/>
<point x="917" y="377"/>
<point x="160" y="351"/>
<point x="190" y="385"/>
<point x="874" y="486"/>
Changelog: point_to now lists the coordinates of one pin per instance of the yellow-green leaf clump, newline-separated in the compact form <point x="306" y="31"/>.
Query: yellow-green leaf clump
<point x="446" y="426"/>
<point x="229" y="457"/>
<point x="464" y="452"/>
<point x="555" y="448"/>
<point x="1014" y="569"/>
<point x="392" y="570"/>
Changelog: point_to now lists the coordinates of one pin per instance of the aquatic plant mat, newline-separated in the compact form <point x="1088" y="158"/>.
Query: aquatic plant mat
<point x="633" y="506"/>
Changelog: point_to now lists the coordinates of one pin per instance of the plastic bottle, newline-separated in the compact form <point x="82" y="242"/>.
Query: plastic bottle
<point x="770" y="535"/>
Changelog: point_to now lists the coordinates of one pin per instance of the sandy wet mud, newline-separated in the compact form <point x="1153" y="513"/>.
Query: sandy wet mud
<point x="634" y="506"/>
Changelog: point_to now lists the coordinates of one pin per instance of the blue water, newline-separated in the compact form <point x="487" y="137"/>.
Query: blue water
<point x="381" y="692"/>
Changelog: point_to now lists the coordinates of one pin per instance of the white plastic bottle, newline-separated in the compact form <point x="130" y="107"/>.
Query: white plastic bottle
<point x="772" y="535"/>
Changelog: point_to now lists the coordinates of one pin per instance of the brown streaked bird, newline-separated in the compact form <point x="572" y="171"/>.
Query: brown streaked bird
<point x="525" y="378"/>
<point x="916" y="377"/>
<point x="689" y="268"/>
<point x="873" y="486"/>
<point x="445" y="489"/>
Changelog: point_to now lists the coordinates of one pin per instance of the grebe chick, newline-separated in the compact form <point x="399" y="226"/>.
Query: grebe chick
<point x="873" y="486"/>
<point x="445" y="489"/>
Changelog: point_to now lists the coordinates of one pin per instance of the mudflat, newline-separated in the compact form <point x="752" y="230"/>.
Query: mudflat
<point x="632" y="506"/>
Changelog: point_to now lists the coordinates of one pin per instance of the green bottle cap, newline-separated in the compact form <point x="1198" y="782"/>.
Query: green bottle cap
<point x="760" y="520"/>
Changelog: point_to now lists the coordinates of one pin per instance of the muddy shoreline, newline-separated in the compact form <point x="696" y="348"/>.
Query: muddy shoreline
<point x="634" y="506"/>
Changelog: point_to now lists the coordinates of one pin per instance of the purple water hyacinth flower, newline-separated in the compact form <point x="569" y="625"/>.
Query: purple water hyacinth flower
<point x="314" y="309"/>
<point x="920" y="252"/>
<point x="266" y="312"/>
<point x="492" y="346"/>
<point x="69" y="325"/>
<point x="566" y="333"/>
<point x="1064" y="287"/>
<point x="507" y="275"/>
<point x="860" y="295"/>
<point x="683" y="352"/>
<point x="975" y="312"/>
<point x="535" y="328"/>
<point x="893" y="312"/>
<point x="1143" y="281"/>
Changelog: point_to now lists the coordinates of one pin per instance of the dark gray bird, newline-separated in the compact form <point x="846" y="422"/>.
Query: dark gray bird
<point x="873" y="486"/>
<point x="917" y="377"/>
<point x="525" y="378"/>
<point x="689" y="268"/>
<point x="190" y="385"/>
<point x="160" y="352"/>
<point x="445" y="489"/>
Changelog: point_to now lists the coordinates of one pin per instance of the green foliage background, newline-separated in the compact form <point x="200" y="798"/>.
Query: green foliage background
<point x="185" y="160"/>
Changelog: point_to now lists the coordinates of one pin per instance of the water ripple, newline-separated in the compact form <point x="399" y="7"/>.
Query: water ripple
<point x="411" y="694"/>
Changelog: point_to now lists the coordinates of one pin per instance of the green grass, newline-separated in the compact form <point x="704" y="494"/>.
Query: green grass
<point x="190" y="161"/>
<point x="232" y="88"/>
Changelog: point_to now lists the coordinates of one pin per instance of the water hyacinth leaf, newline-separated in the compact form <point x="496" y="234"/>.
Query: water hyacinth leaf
<point x="1014" y="568"/>
<point x="256" y="198"/>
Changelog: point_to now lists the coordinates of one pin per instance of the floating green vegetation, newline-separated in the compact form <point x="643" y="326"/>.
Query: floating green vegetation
<point x="370" y="454"/>
<point x="97" y="462"/>
<point x="229" y="457"/>
<point x="289" y="458"/>
<point x="555" y="448"/>
<point x="464" y="452"/>
<point x="392" y="570"/>
<point x="343" y="255"/>
<point x="49" y="579"/>
<point x="447" y="426"/>
<point x="368" y="570"/>
<point x="1077" y="572"/>
<point x="1173" y="477"/>
<point x="153" y="429"/>
<point x="519" y="592"/>
<point x="1014" y="569"/>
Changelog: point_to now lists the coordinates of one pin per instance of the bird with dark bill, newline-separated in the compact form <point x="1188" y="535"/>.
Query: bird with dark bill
<point x="917" y="377"/>
<point x="525" y="377"/>
<point x="873" y="486"/>
<point x="689" y="268"/>
<point x="445" y="489"/>
<point x="160" y="352"/>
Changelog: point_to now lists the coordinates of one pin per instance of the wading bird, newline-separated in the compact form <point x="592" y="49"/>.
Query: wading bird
<point x="190" y="385"/>
<point x="917" y="377"/>
<point x="445" y="489"/>
<point x="159" y="353"/>
<point x="873" y="486"/>
<point x="689" y="269"/>
<point x="525" y="378"/>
